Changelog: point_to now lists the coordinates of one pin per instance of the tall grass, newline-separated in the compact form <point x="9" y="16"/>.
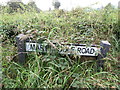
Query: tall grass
<point x="53" y="70"/>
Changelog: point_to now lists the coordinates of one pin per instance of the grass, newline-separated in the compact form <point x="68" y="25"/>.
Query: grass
<point x="53" y="70"/>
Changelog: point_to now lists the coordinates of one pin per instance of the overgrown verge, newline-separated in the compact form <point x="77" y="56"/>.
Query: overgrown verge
<point x="54" y="71"/>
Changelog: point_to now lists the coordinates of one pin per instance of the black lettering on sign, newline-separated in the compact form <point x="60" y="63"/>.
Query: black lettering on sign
<point x="32" y="46"/>
<point x="79" y="49"/>
<point x="88" y="51"/>
<point x="84" y="50"/>
<point x="40" y="47"/>
<point x="72" y="48"/>
<point x="66" y="50"/>
<point x="92" y="51"/>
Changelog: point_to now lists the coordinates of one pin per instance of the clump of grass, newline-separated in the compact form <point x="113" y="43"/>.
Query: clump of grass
<point x="56" y="72"/>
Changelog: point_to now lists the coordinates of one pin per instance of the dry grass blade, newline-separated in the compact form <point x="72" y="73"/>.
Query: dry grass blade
<point x="53" y="45"/>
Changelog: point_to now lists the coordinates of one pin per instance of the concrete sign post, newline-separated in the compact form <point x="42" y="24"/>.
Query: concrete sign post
<point x="21" y="48"/>
<point x="105" y="45"/>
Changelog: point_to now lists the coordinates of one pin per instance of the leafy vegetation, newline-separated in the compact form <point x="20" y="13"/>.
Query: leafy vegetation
<point x="18" y="6"/>
<point x="81" y="25"/>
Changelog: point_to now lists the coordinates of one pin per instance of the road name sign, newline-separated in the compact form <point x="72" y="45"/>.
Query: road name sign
<point x="68" y="49"/>
<point x="24" y="45"/>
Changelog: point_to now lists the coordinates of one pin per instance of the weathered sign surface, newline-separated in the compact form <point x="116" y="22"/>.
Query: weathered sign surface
<point x="81" y="50"/>
<point x="68" y="49"/>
